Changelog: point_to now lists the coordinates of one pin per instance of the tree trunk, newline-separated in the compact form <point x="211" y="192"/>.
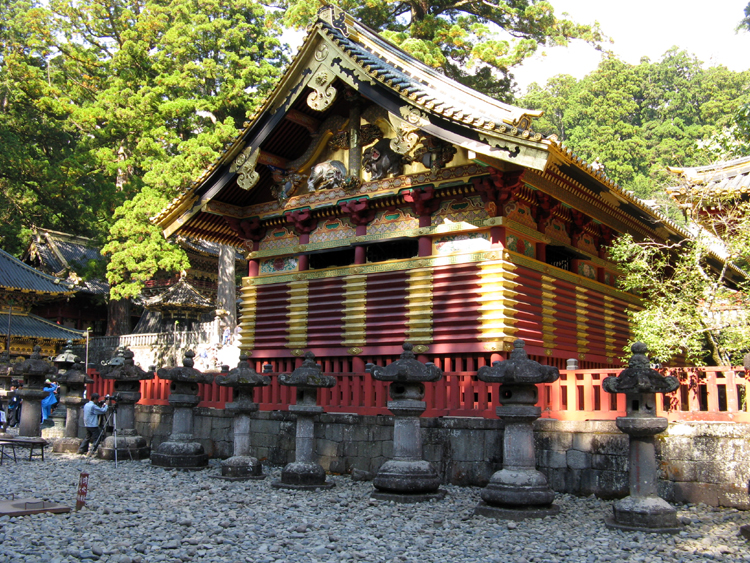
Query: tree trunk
<point x="118" y="317"/>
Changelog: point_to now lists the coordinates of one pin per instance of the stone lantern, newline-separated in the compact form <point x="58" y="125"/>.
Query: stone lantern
<point x="181" y="451"/>
<point x="5" y="379"/>
<point x="71" y="375"/>
<point x="518" y="490"/>
<point x="127" y="392"/>
<point x="407" y="477"/>
<point x="244" y="380"/>
<point x="304" y="472"/>
<point x="643" y="509"/>
<point x="34" y="371"/>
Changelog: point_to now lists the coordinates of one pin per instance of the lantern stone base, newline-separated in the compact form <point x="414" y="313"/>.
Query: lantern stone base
<point x="128" y="447"/>
<point x="302" y="475"/>
<point x="240" y="468"/>
<point x="66" y="445"/>
<point x="407" y="478"/>
<point x="517" y="513"/>
<point x="407" y="498"/>
<point x="180" y="455"/>
<point x="518" y="489"/>
<point x="645" y="514"/>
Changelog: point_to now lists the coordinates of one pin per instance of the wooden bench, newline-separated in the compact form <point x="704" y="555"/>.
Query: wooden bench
<point x="31" y="443"/>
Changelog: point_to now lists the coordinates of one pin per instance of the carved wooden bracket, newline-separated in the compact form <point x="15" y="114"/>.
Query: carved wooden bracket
<point x="324" y="94"/>
<point x="422" y="200"/>
<point x="302" y="221"/>
<point x="544" y="210"/>
<point x="358" y="212"/>
<point x="244" y="165"/>
<point x="247" y="229"/>
<point x="580" y="221"/>
<point x="498" y="190"/>
<point x="406" y="128"/>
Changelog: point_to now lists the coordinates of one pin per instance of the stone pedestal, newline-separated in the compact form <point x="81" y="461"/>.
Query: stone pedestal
<point x="305" y="472"/>
<point x="181" y="451"/>
<point x="642" y="510"/>
<point x="33" y="371"/>
<point x="244" y="380"/>
<point x="518" y="490"/>
<point x="71" y="375"/>
<point x="407" y="477"/>
<point x="127" y="444"/>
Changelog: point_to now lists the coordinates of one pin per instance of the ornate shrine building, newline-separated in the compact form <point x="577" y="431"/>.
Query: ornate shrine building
<point x="63" y="256"/>
<point x="21" y="288"/>
<point x="703" y="190"/>
<point x="379" y="201"/>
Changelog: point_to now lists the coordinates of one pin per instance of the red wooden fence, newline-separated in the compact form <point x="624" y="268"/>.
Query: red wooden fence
<point x="706" y="394"/>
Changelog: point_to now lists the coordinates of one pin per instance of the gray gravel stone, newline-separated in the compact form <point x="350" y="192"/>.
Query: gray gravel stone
<point x="140" y="514"/>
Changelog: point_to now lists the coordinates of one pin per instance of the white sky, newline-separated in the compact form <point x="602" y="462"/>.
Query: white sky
<point x="638" y="28"/>
<point x="646" y="28"/>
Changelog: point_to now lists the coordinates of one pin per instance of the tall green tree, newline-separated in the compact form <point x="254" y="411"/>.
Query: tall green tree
<point x="113" y="101"/>
<point x="477" y="43"/>
<point x="48" y="176"/>
<point x="692" y="310"/>
<point x="638" y="119"/>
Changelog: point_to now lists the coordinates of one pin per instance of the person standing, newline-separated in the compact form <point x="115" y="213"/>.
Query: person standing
<point x="14" y="408"/>
<point x="91" y="412"/>
<point x="51" y="399"/>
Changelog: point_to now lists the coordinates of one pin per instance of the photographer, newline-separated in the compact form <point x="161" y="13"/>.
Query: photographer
<point x="91" y="412"/>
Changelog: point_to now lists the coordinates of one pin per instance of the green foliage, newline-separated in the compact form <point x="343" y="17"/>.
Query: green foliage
<point x="476" y="43"/>
<point x="638" y="119"/>
<point x="691" y="310"/>
<point x="110" y="102"/>
<point x="745" y="23"/>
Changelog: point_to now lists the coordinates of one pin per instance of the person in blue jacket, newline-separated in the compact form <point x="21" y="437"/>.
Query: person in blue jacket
<point x="50" y="400"/>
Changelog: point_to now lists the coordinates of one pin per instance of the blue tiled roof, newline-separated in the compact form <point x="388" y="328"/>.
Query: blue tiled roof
<point x="15" y="275"/>
<point x="26" y="325"/>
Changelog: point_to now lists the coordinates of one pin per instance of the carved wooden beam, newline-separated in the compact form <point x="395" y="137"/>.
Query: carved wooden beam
<point x="306" y="121"/>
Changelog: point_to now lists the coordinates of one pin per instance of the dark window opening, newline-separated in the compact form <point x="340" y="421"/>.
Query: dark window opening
<point x="392" y="250"/>
<point x="561" y="257"/>
<point x="331" y="259"/>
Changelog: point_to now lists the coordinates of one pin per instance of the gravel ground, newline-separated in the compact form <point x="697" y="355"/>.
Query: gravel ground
<point x="140" y="513"/>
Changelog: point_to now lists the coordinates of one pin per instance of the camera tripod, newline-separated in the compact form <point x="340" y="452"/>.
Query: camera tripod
<point x="110" y="417"/>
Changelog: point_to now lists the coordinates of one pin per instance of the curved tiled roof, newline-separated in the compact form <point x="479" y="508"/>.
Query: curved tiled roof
<point x="396" y="69"/>
<point x="31" y="326"/>
<point x="720" y="179"/>
<point x="181" y="295"/>
<point x="423" y="85"/>
<point x="17" y="276"/>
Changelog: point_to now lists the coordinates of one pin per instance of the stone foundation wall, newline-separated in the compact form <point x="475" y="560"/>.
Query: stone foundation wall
<point x="699" y="461"/>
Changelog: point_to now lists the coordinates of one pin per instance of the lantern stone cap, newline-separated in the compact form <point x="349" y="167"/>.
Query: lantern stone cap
<point x="407" y="368"/>
<point x="308" y="375"/>
<point x="35" y="366"/>
<point x="243" y="376"/>
<point x="186" y="373"/>
<point x="66" y="356"/>
<point x="73" y="375"/>
<point x="638" y="377"/>
<point x="126" y="370"/>
<point x="518" y="368"/>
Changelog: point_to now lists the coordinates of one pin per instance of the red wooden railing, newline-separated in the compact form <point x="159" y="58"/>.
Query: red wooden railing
<point x="706" y="394"/>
